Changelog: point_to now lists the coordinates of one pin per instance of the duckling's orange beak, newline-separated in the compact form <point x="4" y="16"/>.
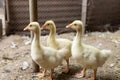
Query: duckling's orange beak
<point x="69" y="26"/>
<point x="43" y="27"/>
<point x="26" y="28"/>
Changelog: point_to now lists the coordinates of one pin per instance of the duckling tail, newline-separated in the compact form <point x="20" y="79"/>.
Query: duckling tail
<point x="106" y="53"/>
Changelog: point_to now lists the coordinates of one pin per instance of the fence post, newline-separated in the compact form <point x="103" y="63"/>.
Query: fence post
<point x="84" y="11"/>
<point x="0" y="28"/>
<point x="33" y="17"/>
<point x="7" y="18"/>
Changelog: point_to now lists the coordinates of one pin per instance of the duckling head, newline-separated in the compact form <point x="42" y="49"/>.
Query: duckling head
<point x="77" y="25"/>
<point x="33" y="26"/>
<point x="49" y="25"/>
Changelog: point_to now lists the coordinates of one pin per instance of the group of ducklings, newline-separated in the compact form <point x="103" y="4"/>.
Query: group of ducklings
<point x="57" y="50"/>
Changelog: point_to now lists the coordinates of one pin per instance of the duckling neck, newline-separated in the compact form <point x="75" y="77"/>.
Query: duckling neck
<point x="52" y="33"/>
<point x="36" y="39"/>
<point x="78" y="37"/>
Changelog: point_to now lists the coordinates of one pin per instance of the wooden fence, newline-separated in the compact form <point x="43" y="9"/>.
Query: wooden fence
<point x="95" y="14"/>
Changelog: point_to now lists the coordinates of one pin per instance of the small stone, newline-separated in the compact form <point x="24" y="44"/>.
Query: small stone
<point x="7" y="70"/>
<point x="112" y="65"/>
<point x="13" y="45"/>
<point x="116" y="41"/>
<point x="101" y="35"/>
<point x="99" y="45"/>
<point x="25" y="65"/>
<point x="21" y="76"/>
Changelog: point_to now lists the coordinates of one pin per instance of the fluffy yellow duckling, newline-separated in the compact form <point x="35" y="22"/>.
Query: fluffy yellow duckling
<point x="55" y="43"/>
<point x="88" y="56"/>
<point x="46" y="57"/>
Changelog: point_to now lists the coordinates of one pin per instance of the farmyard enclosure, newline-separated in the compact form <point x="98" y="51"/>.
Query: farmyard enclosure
<point x="15" y="60"/>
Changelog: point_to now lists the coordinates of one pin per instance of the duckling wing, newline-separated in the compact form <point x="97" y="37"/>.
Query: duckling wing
<point x="64" y="43"/>
<point x="50" y="58"/>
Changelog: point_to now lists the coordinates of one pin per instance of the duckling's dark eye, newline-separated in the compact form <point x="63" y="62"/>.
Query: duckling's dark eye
<point x="30" y="25"/>
<point x="48" y="24"/>
<point x="75" y="24"/>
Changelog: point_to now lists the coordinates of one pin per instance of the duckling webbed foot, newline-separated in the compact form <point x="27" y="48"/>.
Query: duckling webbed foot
<point x="41" y="75"/>
<point x="82" y="74"/>
<point x="51" y="75"/>
<point x="94" y="76"/>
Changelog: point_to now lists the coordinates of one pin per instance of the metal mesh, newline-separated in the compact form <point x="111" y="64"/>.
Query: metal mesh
<point x="99" y="12"/>
<point x="103" y="12"/>
<point x="61" y="11"/>
<point x="19" y="15"/>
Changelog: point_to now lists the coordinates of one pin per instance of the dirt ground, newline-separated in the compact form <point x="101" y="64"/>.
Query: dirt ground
<point x="16" y="63"/>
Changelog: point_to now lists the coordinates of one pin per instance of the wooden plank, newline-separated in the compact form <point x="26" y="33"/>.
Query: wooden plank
<point x="84" y="11"/>
<point x="33" y="17"/>
<point x="0" y="28"/>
